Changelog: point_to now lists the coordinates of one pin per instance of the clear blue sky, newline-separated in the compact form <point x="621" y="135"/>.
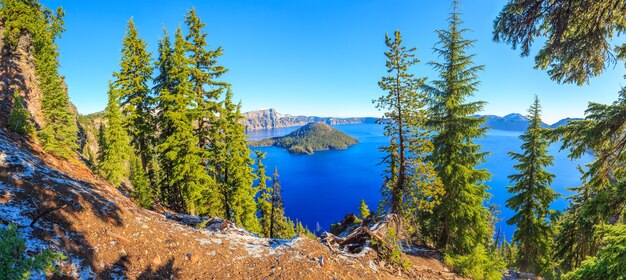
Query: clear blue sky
<point x="314" y="57"/>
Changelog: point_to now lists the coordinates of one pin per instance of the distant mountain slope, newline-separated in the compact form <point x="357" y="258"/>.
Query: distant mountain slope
<point x="315" y="136"/>
<point x="270" y="118"/>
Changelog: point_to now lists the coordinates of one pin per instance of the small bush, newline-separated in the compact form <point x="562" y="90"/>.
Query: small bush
<point x="16" y="264"/>
<point x="389" y="250"/>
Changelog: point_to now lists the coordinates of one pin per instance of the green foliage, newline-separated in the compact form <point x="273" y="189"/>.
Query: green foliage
<point x="610" y="262"/>
<point x="142" y="193"/>
<point x="19" y="118"/>
<point x="302" y="230"/>
<point x="578" y="34"/>
<point x="315" y="136"/>
<point x="410" y="184"/>
<point x="531" y="198"/>
<point x="16" y="264"/>
<point x="264" y="203"/>
<point x="390" y="251"/>
<point x="279" y="225"/>
<point x="478" y="264"/>
<point x="131" y="83"/>
<point x="462" y="223"/>
<point x="184" y="179"/>
<point x="364" y="210"/>
<point x="116" y="150"/>
<point x="507" y="252"/>
<point x="59" y="132"/>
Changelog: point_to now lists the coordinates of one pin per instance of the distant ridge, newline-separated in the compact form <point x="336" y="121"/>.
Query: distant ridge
<point x="270" y="119"/>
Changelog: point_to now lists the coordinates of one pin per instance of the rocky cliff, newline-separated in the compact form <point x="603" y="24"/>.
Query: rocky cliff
<point x="270" y="118"/>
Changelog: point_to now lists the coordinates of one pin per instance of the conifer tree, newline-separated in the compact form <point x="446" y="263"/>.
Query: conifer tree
<point x="280" y="226"/>
<point x="58" y="133"/>
<point x="364" y="210"/>
<point x="142" y="193"/>
<point x="101" y="145"/>
<point x="204" y="74"/>
<point x="19" y="118"/>
<point x="235" y="175"/>
<point x="115" y="151"/>
<point x="462" y="222"/>
<point x="264" y="204"/>
<point x="410" y="180"/>
<point x="532" y="196"/>
<point x="135" y="98"/>
<point x="184" y="182"/>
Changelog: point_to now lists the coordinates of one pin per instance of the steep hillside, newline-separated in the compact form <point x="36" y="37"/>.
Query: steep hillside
<point x="270" y="119"/>
<point x="315" y="136"/>
<point x="61" y="205"/>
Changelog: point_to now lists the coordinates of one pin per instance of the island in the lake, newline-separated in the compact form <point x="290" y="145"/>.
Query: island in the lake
<point x="314" y="136"/>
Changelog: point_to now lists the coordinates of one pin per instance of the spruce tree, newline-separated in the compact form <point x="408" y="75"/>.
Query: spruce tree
<point x="135" y="99"/>
<point x="264" y="204"/>
<point x="462" y="222"/>
<point x="142" y="194"/>
<point x="410" y="181"/>
<point x="19" y="118"/>
<point x="532" y="196"/>
<point x="184" y="182"/>
<point x="116" y="150"/>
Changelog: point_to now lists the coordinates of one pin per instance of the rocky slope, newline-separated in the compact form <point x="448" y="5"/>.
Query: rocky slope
<point x="106" y="236"/>
<point x="270" y="119"/>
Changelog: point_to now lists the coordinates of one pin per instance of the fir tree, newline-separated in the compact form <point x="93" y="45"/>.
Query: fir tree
<point x="410" y="180"/>
<point x="101" y="145"/>
<point x="135" y="99"/>
<point x="364" y="210"/>
<point x="235" y="175"/>
<point x="532" y="196"/>
<point x="116" y="150"/>
<point x="264" y="204"/>
<point x="462" y="222"/>
<point x="19" y="118"/>
<point x="280" y="226"/>
<point x="204" y="72"/>
<point x="142" y="193"/>
<point x="185" y="180"/>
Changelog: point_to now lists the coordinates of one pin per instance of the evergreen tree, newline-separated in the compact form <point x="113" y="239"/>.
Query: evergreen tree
<point x="101" y="145"/>
<point x="578" y="34"/>
<point x="531" y="198"/>
<point x="204" y="72"/>
<point x="302" y="230"/>
<point x="410" y="180"/>
<point x="142" y="193"/>
<point x="364" y="210"/>
<point x="235" y="175"/>
<point x="185" y="180"/>
<point x="19" y="118"/>
<point x="264" y="204"/>
<point x="280" y="226"/>
<point x="462" y="222"/>
<point x="135" y="99"/>
<point x="116" y="150"/>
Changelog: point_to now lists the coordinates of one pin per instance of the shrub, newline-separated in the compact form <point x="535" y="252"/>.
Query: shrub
<point x="479" y="264"/>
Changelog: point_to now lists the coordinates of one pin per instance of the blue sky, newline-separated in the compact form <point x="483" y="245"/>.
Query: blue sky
<point x="315" y="57"/>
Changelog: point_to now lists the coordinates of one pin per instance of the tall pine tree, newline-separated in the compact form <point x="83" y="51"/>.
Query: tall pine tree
<point x="532" y="196"/>
<point x="184" y="178"/>
<point x="410" y="180"/>
<point x="115" y="151"/>
<point x="280" y="226"/>
<point x="135" y="98"/>
<point x="462" y="222"/>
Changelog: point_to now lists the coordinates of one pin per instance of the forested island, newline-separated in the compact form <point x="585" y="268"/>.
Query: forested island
<point x="314" y="136"/>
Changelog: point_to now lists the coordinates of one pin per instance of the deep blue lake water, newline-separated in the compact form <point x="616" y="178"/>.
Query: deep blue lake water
<point x="323" y="187"/>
